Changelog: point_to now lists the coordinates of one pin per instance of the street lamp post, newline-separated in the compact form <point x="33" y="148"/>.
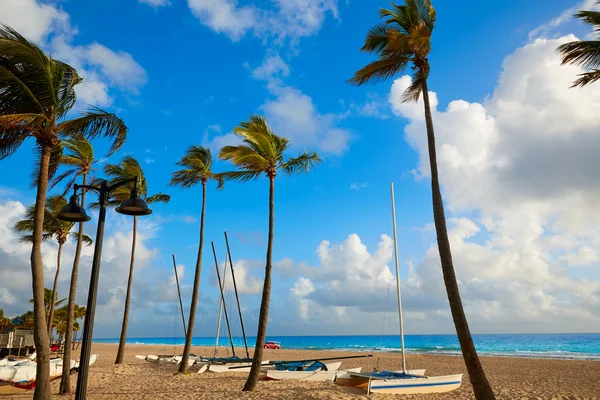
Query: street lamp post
<point x="73" y="212"/>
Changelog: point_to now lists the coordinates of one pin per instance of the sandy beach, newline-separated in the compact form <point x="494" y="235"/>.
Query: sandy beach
<point x="512" y="378"/>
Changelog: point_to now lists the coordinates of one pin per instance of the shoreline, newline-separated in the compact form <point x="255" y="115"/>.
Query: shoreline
<point x="452" y="353"/>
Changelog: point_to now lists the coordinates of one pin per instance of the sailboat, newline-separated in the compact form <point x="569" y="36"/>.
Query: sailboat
<point x="404" y="381"/>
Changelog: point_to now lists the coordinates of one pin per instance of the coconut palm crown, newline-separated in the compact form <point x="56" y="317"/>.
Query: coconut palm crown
<point x="585" y="53"/>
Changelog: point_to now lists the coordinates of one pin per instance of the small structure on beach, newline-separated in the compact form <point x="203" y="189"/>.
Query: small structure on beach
<point x="17" y="342"/>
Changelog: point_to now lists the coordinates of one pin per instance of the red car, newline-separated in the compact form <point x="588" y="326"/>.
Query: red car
<point x="273" y="345"/>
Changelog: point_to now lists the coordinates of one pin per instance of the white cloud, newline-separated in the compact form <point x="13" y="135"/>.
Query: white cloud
<point x="245" y="276"/>
<point x="224" y="16"/>
<point x="546" y="29"/>
<point x="292" y="114"/>
<point x="149" y="160"/>
<point x="289" y="19"/>
<point x="34" y="20"/>
<point x="102" y="68"/>
<point x="524" y="161"/>
<point x="156" y="3"/>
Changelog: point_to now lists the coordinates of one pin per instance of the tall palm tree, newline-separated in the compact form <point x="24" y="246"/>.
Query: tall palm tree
<point x="36" y="94"/>
<point x="585" y="53"/>
<point x="79" y="161"/>
<point x="53" y="228"/>
<point x="403" y="38"/>
<point x="129" y="168"/>
<point x="197" y="168"/>
<point x="262" y="153"/>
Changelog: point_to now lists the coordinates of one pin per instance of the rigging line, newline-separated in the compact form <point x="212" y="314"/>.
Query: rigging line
<point x="236" y="296"/>
<point x="179" y="294"/>
<point x="222" y="297"/>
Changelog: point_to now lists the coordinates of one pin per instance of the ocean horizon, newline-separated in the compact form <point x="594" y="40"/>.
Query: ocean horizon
<point x="567" y="346"/>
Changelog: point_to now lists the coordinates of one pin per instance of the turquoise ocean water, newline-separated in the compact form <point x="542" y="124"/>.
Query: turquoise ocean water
<point x="559" y="346"/>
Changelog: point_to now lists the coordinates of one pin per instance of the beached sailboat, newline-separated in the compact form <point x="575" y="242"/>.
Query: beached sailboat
<point x="22" y="374"/>
<point x="326" y="373"/>
<point x="404" y="381"/>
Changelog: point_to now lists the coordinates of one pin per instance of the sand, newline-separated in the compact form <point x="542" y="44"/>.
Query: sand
<point x="511" y="378"/>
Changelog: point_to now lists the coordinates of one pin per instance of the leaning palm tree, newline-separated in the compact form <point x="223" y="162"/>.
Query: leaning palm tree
<point x="197" y="168"/>
<point x="79" y="161"/>
<point x="403" y="38"/>
<point x="585" y="53"/>
<point x="53" y="228"/>
<point x="36" y="94"/>
<point x="129" y="168"/>
<point x="262" y="153"/>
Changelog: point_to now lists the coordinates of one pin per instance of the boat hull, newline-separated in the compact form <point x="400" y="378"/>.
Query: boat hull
<point x="362" y="382"/>
<point x="239" y="367"/>
<point x="435" y="384"/>
<point x="328" y="375"/>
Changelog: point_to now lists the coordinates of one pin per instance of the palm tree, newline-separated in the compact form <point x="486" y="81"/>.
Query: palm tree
<point x="79" y="160"/>
<point x="36" y="94"/>
<point x="403" y="38"/>
<point x="585" y="53"/>
<point x="129" y="168"/>
<point x="262" y="153"/>
<point x="79" y="313"/>
<point x="53" y="227"/>
<point x="197" y="163"/>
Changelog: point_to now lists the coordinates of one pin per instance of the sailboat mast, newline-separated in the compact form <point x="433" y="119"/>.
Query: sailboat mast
<point x="236" y="295"/>
<point x="223" y="296"/>
<point x="179" y="294"/>
<point x="220" y="312"/>
<point x="398" y="279"/>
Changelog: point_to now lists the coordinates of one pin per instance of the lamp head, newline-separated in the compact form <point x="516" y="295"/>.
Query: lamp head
<point x="73" y="212"/>
<point x="134" y="205"/>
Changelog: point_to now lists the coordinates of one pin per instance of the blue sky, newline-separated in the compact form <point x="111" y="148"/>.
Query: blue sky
<point x="187" y="72"/>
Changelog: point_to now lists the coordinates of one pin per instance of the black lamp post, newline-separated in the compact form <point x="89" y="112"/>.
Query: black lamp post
<point x="73" y="212"/>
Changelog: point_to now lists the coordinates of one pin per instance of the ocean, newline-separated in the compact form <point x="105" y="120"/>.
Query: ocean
<point x="557" y="346"/>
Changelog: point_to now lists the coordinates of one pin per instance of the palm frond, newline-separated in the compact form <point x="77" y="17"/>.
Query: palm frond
<point x="413" y="91"/>
<point x="95" y="123"/>
<point x="587" y="78"/>
<point x="590" y="17"/>
<point x="84" y="238"/>
<point x="15" y="128"/>
<point x="303" y="163"/>
<point x="158" y="198"/>
<point x="380" y="69"/>
<point x="242" y="176"/>
<point x="583" y="53"/>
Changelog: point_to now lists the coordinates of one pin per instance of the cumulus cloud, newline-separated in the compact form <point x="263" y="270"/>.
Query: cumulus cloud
<point x="289" y="19"/>
<point x="523" y="161"/>
<point x="102" y="68"/>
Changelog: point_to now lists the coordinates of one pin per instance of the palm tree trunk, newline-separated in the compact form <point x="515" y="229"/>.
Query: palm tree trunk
<point x="481" y="386"/>
<point x="263" y="317"/>
<point x="190" y="332"/>
<point x="121" y="350"/>
<point x="53" y="301"/>
<point x="65" y="381"/>
<point x="40" y="332"/>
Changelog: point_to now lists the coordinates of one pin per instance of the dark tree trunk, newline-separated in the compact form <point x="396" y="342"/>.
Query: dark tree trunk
<point x="40" y="331"/>
<point x="65" y="381"/>
<point x="53" y="297"/>
<point x="481" y="386"/>
<point x="121" y="350"/>
<point x="190" y="332"/>
<point x="263" y="317"/>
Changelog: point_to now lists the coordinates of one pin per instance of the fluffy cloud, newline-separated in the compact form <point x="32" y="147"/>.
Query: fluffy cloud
<point x="289" y="19"/>
<point x="32" y="19"/>
<point x="524" y="162"/>
<point x="101" y="67"/>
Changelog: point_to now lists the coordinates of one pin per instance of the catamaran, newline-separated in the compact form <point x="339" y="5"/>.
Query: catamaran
<point x="22" y="374"/>
<point x="404" y="381"/>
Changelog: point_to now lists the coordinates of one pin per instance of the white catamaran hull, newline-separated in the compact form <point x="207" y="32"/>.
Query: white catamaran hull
<point x="25" y="371"/>
<point x="307" y="375"/>
<point x="350" y="378"/>
<point x="434" y="384"/>
<point x="328" y="375"/>
<point x="238" y="367"/>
